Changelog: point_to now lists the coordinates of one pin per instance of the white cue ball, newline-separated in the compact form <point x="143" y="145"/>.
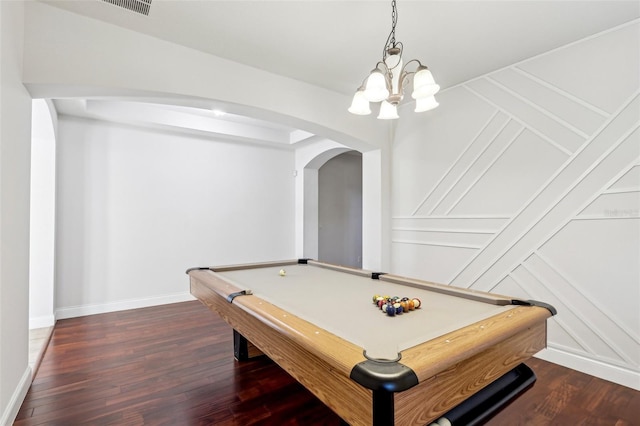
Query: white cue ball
<point x="283" y="272"/>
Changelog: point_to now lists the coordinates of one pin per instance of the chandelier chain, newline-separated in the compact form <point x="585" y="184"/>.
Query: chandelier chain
<point x="391" y="39"/>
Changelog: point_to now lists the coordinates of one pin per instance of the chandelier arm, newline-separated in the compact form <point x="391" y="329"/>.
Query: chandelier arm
<point x="411" y="61"/>
<point x="386" y="68"/>
<point x="405" y="74"/>
<point x="363" y="84"/>
<point x="403" y="80"/>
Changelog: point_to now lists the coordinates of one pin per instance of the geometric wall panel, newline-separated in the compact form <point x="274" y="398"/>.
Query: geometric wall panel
<point x="527" y="161"/>
<point x="630" y="180"/>
<point x="476" y="167"/>
<point x="613" y="205"/>
<point x="536" y="195"/>
<point x="419" y="161"/>
<point x="430" y="262"/>
<point x="581" y="118"/>
<point x="598" y="70"/>
<point x="585" y="330"/>
<point x="544" y="124"/>
<point x="596" y="256"/>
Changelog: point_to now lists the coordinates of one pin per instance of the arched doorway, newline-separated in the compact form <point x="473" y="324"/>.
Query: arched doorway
<point x="348" y="167"/>
<point x="340" y="210"/>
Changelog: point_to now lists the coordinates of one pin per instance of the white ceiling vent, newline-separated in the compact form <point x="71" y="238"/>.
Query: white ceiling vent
<point x="138" y="6"/>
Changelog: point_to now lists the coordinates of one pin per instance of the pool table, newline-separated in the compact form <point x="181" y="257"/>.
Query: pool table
<point x="319" y="323"/>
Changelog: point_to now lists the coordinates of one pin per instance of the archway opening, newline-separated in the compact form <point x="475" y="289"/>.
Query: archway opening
<point x="340" y="210"/>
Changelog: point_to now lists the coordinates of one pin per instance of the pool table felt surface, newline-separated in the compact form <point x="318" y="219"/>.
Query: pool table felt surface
<point x="341" y="303"/>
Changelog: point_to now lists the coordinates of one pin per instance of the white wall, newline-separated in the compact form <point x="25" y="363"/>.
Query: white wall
<point x="15" y="142"/>
<point x="526" y="182"/>
<point x="59" y="63"/>
<point x="42" y="219"/>
<point x="340" y="210"/>
<point x="137" y="207"/>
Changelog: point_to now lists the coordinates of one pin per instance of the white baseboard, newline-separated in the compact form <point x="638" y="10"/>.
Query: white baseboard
<point x="11" y="411"/>
<point x="612" y="373"/>
<point x="42" y="322"/>
<point x="80" y="311"/>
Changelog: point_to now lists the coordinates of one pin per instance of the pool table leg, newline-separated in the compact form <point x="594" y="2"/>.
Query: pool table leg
<point x="240" y="351"/>
<point x="383" y="411"/>
<point x="244" y="350"/>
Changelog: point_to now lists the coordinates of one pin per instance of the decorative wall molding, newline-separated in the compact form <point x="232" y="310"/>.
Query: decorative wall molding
<point x="486" y="168"/>
<point x="570" y="233"/>
<point x="558" y="192"/>
<point x="516" y="118"/>
<point x="561" y="92"/>
<point x="457" y="162"/>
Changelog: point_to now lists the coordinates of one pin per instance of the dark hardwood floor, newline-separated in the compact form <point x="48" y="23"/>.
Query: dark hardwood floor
<point x="173" y="365"/>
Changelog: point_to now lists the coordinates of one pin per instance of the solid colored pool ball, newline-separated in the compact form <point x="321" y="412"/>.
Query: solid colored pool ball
<point x="411" y="305"/>
<point x="282" y="272"/>
<point x="391" y="311"/>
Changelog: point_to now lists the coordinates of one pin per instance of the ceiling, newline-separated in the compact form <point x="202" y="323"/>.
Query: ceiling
<point x="334" y="44"/>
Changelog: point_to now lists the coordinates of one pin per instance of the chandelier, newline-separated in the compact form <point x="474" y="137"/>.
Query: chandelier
<point x="387" y="81"/>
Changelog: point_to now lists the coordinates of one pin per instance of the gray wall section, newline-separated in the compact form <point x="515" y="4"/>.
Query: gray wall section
<point x="340" y="210"/>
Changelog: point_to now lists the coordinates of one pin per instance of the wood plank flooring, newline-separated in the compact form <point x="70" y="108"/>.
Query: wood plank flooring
<point x="173" y="365"/>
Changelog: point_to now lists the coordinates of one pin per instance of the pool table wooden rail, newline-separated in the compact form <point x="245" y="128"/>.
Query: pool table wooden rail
<point x="449" y="368"/>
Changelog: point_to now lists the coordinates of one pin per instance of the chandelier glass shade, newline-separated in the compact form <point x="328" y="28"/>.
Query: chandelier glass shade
<point x="387" y="82"/>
